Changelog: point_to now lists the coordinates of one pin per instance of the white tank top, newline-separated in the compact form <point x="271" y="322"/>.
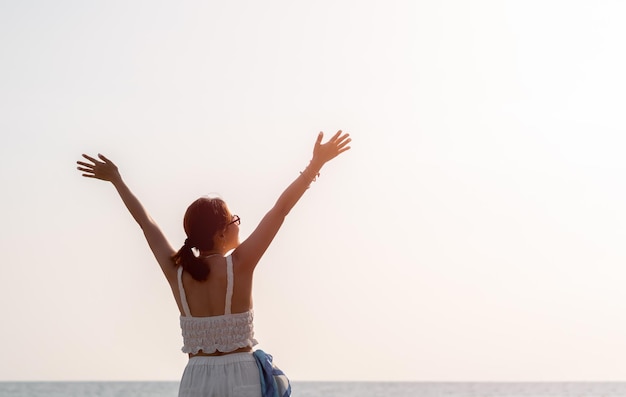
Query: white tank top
<point x="224" y="333"/>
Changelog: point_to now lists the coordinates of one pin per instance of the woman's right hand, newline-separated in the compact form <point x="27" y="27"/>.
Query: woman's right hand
<point x="104" y="170"/>
<point x="322" y="153"/>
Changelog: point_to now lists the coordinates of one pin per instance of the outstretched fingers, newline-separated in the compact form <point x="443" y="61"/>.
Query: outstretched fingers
<point x="100" y="169"/>
<point x="344" y="146"/>
<point x="341" y="141"/>
<point x="87" y="168"/>
<point x="91" y="159"/>
<point x="320" y="136"/>
<point x="334" y="138"/>
<point x="103" y="158"/>
<point x="88" y="172"/>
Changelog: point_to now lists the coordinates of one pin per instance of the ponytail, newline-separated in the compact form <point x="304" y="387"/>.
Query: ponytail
<point x="193" y="265"/>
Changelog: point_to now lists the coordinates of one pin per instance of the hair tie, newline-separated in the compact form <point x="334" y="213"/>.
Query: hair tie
<point x="188" y="243"/>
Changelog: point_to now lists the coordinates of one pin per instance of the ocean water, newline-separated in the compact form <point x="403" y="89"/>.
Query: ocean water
<point x="459" y="389"/>
<point x="330" y="389"/>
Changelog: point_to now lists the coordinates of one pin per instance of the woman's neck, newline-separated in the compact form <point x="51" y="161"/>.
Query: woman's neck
<point x="209" y="254"/>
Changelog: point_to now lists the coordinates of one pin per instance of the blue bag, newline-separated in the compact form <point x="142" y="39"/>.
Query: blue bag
<point x="274" y="382"/>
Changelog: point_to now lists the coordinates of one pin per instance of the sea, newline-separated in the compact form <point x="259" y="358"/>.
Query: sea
<point x="330" y="389"/>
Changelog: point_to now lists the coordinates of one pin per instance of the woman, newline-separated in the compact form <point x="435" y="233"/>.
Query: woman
<point x="213" y="290"/>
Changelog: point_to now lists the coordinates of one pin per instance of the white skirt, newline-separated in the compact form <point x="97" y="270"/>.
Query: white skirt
<point x="235" y="374"/>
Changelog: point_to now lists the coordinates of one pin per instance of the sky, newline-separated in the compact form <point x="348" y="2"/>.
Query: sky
<point x="474" y="232"/>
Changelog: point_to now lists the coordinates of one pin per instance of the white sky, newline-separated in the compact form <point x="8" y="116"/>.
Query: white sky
<point x="474" y="232"/>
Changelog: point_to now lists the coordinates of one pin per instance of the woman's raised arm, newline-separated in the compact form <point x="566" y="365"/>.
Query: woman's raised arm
<point x="250" y="251"/>
<point x="104" y="169"/>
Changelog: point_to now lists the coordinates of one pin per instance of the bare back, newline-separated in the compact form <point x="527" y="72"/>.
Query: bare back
<point x="208" y="298"/>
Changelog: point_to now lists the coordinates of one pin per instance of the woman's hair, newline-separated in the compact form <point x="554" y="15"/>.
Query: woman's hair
<point x="203" y="219"/>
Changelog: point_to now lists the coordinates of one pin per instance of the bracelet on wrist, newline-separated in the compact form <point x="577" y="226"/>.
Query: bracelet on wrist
<point x="312" y="178"/>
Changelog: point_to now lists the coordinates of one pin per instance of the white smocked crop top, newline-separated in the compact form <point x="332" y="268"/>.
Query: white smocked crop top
<point x="224" y="333"/>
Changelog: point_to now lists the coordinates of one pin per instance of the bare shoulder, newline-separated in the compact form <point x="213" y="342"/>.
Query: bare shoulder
<point x="241" y="264"/>
<point x="166" y="263"/>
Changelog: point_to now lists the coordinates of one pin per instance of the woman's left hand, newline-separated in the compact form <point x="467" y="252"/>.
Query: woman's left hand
<point x="104" y="170"/>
